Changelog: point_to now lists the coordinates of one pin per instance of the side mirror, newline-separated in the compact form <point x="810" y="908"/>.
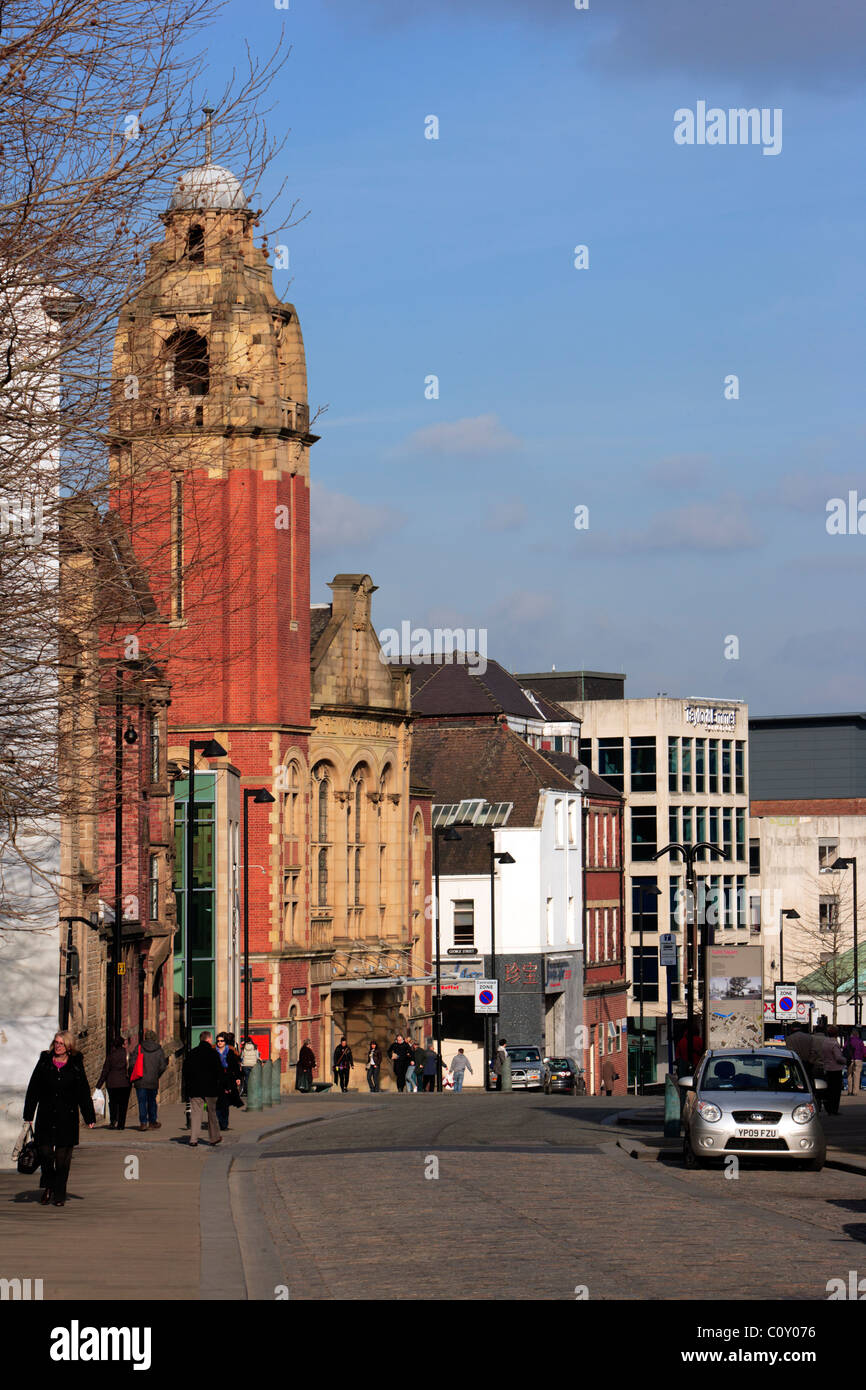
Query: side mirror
<point x="687" y="1083"/>
<point x="819" y="1085"/>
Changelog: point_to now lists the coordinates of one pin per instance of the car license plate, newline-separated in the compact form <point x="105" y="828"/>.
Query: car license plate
<point x="756" y="1134"/>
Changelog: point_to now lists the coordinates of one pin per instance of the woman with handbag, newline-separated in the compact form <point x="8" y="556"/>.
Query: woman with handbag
<point x="115" y="1075"/>
<point x="58" y="1089"/>
<point x="343" y="1063"/>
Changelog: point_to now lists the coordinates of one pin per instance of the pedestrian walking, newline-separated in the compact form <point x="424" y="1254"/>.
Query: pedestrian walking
<point x="374" y="1062"/>
<point x="229" y="1094"/>
<point x="153" y="1064"/>
<point x="609" y="1075"/>
<point x="115" y="1076"/>
<point x="415" y="1071"/>
<point x="832" y="1058"/>
<point x="430" y="1070"/>
<point x="56" y="1092"/>
<point x="249" y="1059"/>
<point x="802" y="1044"/>
<point x="690" y="1049"/>
<point x="855" y="1054"/>
<point x="399" y="1055"/>
<point x="203" y="1081"/>
<point x="460" y="1065"/>
<point x="499" y="1061"/>
<point x="305" y="1066"/>
<point x="343" y="1063"/>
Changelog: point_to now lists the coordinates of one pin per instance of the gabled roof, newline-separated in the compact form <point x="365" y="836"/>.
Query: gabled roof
<point x="484" y="760"/>
<point x="453" y="689"/>
<point x="568" y="765"/>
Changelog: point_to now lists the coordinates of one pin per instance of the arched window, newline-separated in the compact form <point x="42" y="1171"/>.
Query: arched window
<point x="291" y="823"/>
<point x="359" y="793"/>
<point x="324" y="788"/>
<point x="195" y="245"/>
<point x="189" y="364"/>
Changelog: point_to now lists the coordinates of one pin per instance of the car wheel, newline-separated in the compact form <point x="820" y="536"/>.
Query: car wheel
<point x="690" y="1158"/>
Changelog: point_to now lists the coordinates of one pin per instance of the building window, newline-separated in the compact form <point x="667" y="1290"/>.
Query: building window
<point x="604" y="854"/>
<point x="643" y="764"/>
<point x="358" y="853"/>
<point x="673" y="826"/>
<point x="557" y="821"/>
<point x="584" y="752"/>
<point x="739" y="767"/>
<point x="643" y="832"/>
<point x="640" y="894"/>
<point x="700" y="765"/>
<point x="701" y="828"/>
<point x="727" y="841"/>
<point x="323" y="878"/>
<point x="687" y="825"/>
<point x="189" y="366"/>
<point x="754" y="857"/>
<point x="742" y="903"/>
<point x="572" y="823"/>
<point x="727" y="769"/>
<point x="714" y="765"/>
<point x="741" y="833"/>
<point x="464" y="922"/>
<point x="155" y="749"/>
<point x="754" y="914"/>
<point x="645" y="974"/>
<point x="687" y="765"/>
<point x="324" y="788"/>
<point x="673" y="764"/>
<point x="610" y="761"/>
<point x="195" y="245"/>
<point x="828" y="914"/>
<point x="714" y="826"/>
<point x="595" y="856"/>
<point x="153" y="896"/>
<point x="828" y="852"/>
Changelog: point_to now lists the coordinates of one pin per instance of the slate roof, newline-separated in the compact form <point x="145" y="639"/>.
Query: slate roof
<point x="319" y="619"/>
<point x="452" y="689"/>
<point x="567" y="764"/>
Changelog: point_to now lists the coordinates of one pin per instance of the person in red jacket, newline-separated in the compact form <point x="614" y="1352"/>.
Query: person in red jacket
<point x="688" y="1056"/>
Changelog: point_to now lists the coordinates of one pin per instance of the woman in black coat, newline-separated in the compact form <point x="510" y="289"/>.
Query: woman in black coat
<point x="115" y="1075"/>
<point x="343" y="1063"/>
<point x="58" y="1089"/>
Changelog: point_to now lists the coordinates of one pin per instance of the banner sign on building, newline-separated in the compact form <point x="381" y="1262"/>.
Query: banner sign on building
<point x="736" y="996"/>
<point x="710" y="716"/>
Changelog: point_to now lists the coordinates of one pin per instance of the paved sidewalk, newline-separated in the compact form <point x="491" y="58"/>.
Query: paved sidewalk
<point x="136" y="1208"/>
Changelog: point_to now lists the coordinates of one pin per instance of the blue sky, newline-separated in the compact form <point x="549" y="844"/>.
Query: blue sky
<point x="604" y="386"/>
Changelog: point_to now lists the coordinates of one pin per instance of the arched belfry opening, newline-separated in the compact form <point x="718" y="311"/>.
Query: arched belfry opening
<point x="195" y="245"/>
<point x="188" y="367"/>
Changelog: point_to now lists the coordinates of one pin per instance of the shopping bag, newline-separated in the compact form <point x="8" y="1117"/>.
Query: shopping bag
<point x="138" y="1067"/>
<point x="98" y="1099"/>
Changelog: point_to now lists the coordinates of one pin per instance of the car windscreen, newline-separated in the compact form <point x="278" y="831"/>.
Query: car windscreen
<point x="559" y="1064"/>
<point x="752" y="1072"/>
<point x="524" y="1054"/>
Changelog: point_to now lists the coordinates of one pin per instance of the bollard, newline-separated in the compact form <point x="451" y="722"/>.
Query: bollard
<point x="254" y="1088"/>
<point x="673" y="1107"/>
<point x="506" y="1073"/>
<point x="276" y="1071"/>
<point x="267" y="1070"/>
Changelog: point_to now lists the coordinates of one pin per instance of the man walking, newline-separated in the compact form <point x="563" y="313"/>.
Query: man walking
<point x="609" y="1075"/>
<point x="500" y="1060"/>
<point x="154" y="1063"/>
<point x="431" y="1070"/>
<point x="459" y="1066"/>
<point x="203" y="1078"/>
<point x="399" y="1054"/>
<point x="832" y="1058"/>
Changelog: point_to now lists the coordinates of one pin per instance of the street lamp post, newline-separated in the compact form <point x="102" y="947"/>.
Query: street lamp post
<point x="783" y="913"/>
<point x="642" y="894"/>
<point x="209" y="748"/>
<point x="449" y="834"/>
<point x="852" y="864"/>
<point x="261" y="797"/>
<point x="129" y="737"/>
<point x="690" y="854"/>
<point x="490" y="1021"/>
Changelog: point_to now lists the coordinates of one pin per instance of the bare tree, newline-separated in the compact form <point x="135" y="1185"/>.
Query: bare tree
<point x="100" y="116"/>
<point x="819" y="944"/>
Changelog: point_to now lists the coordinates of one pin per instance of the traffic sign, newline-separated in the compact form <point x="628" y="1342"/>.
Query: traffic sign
<point x="786" y="1002"/>
<point x="667" y="948"/>
<point x="486" y="996"/>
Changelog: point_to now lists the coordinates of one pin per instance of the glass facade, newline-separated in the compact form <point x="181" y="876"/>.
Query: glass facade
<point x="203" y="926"/>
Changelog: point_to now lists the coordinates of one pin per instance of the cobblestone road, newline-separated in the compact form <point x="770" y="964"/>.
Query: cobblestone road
<point x="527" y="1197"/>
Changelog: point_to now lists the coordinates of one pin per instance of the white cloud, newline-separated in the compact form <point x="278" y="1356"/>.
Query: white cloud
<point x="479" y="434"/>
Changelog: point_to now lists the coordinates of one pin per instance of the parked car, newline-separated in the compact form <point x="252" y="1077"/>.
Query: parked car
<point x="755" y="1102"/>
<point x="563" y="1074"/>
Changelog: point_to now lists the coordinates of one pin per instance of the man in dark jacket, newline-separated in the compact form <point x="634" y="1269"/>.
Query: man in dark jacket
<point x="399" y="1054"/>
<point x="58" y="1089"/>
<point x="154" y="1063"/>
<point x="203" y="1079"/>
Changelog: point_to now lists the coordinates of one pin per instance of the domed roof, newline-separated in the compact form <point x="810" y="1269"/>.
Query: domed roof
<point x="210" y="186"/>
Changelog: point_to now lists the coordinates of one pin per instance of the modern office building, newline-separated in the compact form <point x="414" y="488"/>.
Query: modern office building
<point x="682" y="766"/>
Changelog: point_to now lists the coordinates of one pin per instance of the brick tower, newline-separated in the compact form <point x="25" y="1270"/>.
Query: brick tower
<point x="209" y="461"/>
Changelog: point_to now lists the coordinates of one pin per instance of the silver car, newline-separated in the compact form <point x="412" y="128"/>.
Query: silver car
<point x="527" y="1068"/>
<point x="752" y="1103"/>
